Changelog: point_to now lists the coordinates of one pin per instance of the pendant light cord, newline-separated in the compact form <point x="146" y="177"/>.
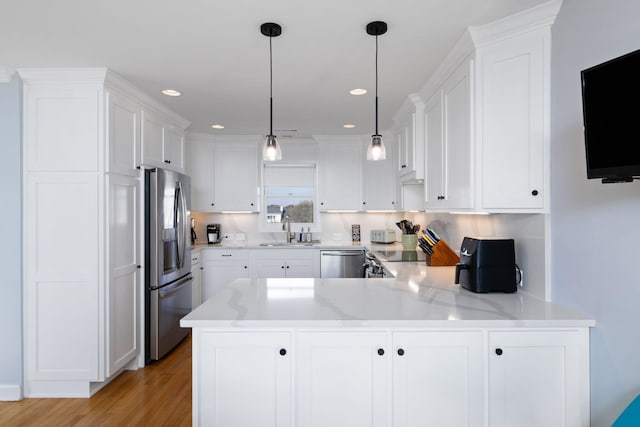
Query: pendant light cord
<point x="376" y="85"/>
<point x="270" y="88"/>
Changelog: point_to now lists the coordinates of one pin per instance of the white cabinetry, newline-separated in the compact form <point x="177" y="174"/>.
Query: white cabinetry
<point x="81" y="230"/>
<point x="342" y="378"/>
<point x="448" y="143"/>
<point x="515" y="116"/>
<point x="286" y="262"/>
<point x="538" y="376"/>
<point x="221" y="267"/>
<point x="162" y="142"/>
<point x="196" y="272"/>
<point x="243" y="379"/>
<point x="199" y="166"/>
<point x="235" y="177"/>
<point x="340" y="173"/>
<point x="438" y="376"/>
<point x="378" y="181"/>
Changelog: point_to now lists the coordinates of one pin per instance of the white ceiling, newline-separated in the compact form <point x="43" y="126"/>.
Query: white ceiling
<point x="213" y="52"/>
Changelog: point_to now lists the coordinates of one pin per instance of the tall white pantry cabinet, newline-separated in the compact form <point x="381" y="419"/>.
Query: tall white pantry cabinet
<point x="83" y="273"/>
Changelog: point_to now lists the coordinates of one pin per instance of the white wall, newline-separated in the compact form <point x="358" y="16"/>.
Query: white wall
<point x="599" y="277"/>
<point x="11" y="247"/>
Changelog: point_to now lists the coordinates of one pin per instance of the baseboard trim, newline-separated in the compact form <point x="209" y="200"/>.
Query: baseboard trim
<point x="11" y="392"/>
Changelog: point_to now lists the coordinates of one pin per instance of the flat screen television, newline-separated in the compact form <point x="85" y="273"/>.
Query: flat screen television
<point x="611" y="115"/>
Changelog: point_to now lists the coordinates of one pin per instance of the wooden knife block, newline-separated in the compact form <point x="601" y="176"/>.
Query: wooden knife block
<point x="443" y="255"/>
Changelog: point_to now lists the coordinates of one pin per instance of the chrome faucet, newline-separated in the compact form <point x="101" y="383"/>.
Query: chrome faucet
<point x="286" y="225"/>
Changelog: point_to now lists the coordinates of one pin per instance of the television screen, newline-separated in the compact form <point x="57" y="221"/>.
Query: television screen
<point x="611" y="114"/>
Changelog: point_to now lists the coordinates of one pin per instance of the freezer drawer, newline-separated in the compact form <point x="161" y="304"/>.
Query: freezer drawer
<point x="342" y="264"/>
<point x="168" y="305"/>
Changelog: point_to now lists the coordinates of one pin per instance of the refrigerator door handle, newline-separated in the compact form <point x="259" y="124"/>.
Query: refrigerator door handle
<point x="177" y="202"/>
<point x="173" y="289"/>
<point x="182" y="226"/>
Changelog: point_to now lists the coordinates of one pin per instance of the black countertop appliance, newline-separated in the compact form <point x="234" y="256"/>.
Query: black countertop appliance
<point x="487" y="265"/>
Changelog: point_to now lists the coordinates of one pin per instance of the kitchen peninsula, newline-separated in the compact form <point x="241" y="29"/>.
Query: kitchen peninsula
<point x="412" y="350"/>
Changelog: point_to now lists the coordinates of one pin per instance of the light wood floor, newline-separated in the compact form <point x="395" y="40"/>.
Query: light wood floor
<point x="158" y="395"/>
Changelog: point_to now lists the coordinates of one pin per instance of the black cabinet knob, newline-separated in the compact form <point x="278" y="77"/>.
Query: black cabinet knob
<point x="138" y="167"/>
<point x="499" y="351"/>
<point x="364" y="203"/>
<point x="534" y="192"/>
<point x="321" y="203"/>
<point x="287" y="267"/>
<point x="282" y="266"/>
<point x="393" y="203"/>
<point x="380" y="352"/>
<point x="213" y="204"/>
<point x="400" y="352"/>
<point x="251" y="204"/>
<point x="403" y="166"/>
<point x="283" y="352"/>
<point x="245" y="267"/>
<point x="167" y="161"/>
<point x="138" y="266"/>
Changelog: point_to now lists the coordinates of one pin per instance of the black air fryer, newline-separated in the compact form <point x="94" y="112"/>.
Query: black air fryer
<point x="487" y="265"/>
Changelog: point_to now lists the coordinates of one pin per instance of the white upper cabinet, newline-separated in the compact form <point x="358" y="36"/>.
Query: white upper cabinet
<point x="123" y="133"/>
<point x="235" y="178"/>
<point x="410" y="140"/>
<point x="340" y="173"/>
<point x="487" y="118"/>
<point x="378" y="180"/>
<point x="199" y="166"/>
<point x="513" y="141"/>
<point x="162" y="142"/>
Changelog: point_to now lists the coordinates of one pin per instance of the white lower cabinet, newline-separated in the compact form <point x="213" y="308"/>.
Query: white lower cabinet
<point x="243" y="379"/>
<point x="538" y="378"/>
<point x="390" y="377"/>
<point x="437" y="379"/>
<point x="221" y="267"/>
<point x="342" y="379"/>
<point x="196" y="272"/>
<point x="273" y="263"/>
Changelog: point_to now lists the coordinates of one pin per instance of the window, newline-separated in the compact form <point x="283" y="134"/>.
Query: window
<point x="289" y="191"/>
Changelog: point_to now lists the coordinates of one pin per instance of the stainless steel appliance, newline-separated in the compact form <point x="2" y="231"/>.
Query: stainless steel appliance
<point x="168" y="260"/>
<point x="488" y="265"/>
<point x="213" y="233"/>
<point x="342" y="263"/>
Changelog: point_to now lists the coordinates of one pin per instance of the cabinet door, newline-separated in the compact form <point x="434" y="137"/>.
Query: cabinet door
<point x="437" y="379"/>
<point x="378" y="181"/>
<point x="173" y="149"/>
<point x="243" y="379"/>
<point x="123" y="280"/>
<point x="538" y="378"/>
<point x="123" y="135"/>
<point x="456" y="105"/>
<point x="199" y="166"/>
<point x="342" y="379"/>
<point x="340" y="172"/>
<point x="196" y="290"/>
<point x="152" y="140"/>
<point x="407" y="142"/>
<point x="236" y="183"/>
<point x="513" y="140"/>
<point x="271" y="268"/>
<point x="434" y="152"/>
<point x="219" y="274"/>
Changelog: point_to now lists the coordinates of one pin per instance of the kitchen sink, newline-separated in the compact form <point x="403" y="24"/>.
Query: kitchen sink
<point x="292" y="244"/>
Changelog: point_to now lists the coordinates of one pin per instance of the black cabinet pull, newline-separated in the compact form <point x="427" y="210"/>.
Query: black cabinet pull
<point x="213" y="204"/>
<point x="245" y="267"/>
<point x="138" y="266"/>
<point x="364" y="203"/>
<point x="380" y="352"/>
<point x="400" y="352"/>
<point x="138" y="167"/>
<point x="283" y="352"/>
<point x="403" y="166"/>
<point x="534" y="192"/>
<point x="321" y="203"/>
<point x="282" y="266"/>
<point x="167" y="161"/>
<point x="251" y="204"/>
<point x="287" y="266"/>
<point x="499" y="351"/>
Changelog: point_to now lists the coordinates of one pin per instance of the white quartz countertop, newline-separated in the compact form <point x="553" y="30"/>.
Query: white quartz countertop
<point x="419" y="296"/>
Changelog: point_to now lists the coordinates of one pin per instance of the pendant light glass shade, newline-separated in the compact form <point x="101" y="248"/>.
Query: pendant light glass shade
<point x="376" y="150"/>
<point x="271" y="150"/>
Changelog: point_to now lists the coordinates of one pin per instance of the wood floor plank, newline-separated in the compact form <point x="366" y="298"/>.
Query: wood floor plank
<point x="157" y="395"/>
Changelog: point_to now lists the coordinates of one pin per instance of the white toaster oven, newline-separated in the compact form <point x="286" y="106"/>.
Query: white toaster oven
<point x="387" y="235"/>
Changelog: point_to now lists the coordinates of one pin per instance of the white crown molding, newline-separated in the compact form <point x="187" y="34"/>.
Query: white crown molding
<point x="6" y="73"/>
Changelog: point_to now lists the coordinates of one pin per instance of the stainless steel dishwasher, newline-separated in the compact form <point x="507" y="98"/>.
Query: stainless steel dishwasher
<point x="342" y="263"/>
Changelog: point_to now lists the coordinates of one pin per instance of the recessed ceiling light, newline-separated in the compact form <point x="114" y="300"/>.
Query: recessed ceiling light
<point x="358" y="91"/>
<point x="171" y="92"/>
<point x="217" y="126"/>
<point x="348" y="126"/>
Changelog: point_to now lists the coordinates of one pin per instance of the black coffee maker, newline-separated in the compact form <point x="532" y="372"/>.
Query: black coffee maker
<point x="213" y="233"/>
<point x="488" y="265"/>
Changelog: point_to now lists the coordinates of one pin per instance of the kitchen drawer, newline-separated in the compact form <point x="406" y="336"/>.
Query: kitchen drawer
<point x="219" y="254"/>
<point x="195" y="257"/>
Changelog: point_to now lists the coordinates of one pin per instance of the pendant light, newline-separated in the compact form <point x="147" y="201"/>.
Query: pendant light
<point x="271" y="150"/>
<point x="376" y="150"/>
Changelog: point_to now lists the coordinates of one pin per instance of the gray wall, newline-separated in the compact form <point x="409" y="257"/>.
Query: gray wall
<point x="599" y="277"/>
<point x="11" y="244"/>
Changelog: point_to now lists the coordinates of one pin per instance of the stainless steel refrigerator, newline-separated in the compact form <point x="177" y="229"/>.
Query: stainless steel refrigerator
<point x="168" y="279"/>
